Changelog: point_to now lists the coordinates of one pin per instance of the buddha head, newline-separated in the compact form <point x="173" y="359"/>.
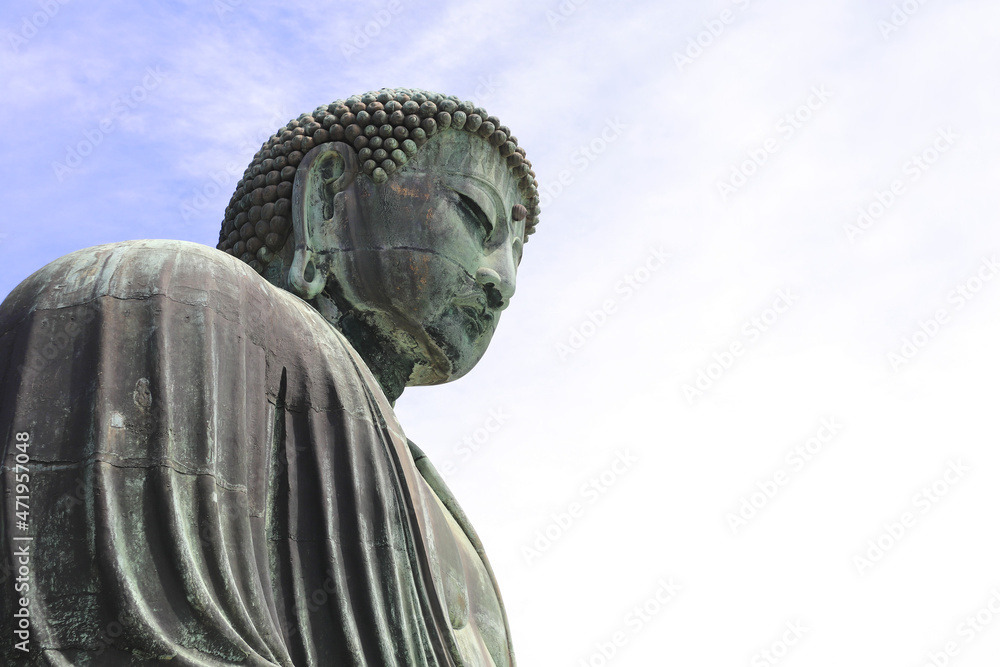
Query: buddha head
<point x="401" y="215"/>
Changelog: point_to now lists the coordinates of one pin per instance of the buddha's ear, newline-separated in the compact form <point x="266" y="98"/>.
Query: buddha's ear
<point x="318" y="212"/>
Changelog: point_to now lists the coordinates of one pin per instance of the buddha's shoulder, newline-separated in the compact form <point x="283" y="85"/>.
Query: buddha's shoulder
<point x="181" y="271"/>
<point x="196" y="303"/>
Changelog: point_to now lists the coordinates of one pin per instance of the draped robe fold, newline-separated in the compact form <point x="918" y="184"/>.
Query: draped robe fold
<point x="215" y="476"/>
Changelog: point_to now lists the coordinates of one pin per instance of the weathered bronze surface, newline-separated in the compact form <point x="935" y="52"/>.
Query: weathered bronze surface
<point x="217" y="476"/>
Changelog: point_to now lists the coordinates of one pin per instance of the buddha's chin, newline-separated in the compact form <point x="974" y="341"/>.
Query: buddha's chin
<point x="456" y="351"/>
<point x="425" y="375"/>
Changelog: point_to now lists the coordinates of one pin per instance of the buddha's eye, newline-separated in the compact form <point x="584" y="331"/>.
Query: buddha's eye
<point x="475" y="213"/>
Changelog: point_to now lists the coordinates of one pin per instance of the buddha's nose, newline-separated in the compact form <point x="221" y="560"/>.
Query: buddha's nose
<point x="499" y="288"/>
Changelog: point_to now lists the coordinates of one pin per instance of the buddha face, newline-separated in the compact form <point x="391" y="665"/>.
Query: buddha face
<point x="429" y="258"/>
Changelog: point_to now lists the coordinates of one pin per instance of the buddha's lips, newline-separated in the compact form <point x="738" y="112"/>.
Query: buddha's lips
<point x="473" y="306"/>
<point x="481" y="320"/>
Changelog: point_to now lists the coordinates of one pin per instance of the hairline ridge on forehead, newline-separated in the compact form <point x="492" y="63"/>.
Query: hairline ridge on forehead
<point x="479" y="159"/>
<point x="386" y="129"/>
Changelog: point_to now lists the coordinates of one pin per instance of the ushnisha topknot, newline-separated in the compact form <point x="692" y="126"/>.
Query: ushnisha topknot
<point x="386" y="128"/>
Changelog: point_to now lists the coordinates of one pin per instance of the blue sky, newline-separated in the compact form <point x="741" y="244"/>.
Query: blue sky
<point x="703" y="298"/>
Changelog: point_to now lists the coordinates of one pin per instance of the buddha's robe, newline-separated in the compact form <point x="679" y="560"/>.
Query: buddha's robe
<point x="217" y="479"/>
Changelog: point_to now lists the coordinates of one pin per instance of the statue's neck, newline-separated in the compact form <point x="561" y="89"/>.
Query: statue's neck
<point x="391" y="368"/>
<point x="381" y="354"/>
